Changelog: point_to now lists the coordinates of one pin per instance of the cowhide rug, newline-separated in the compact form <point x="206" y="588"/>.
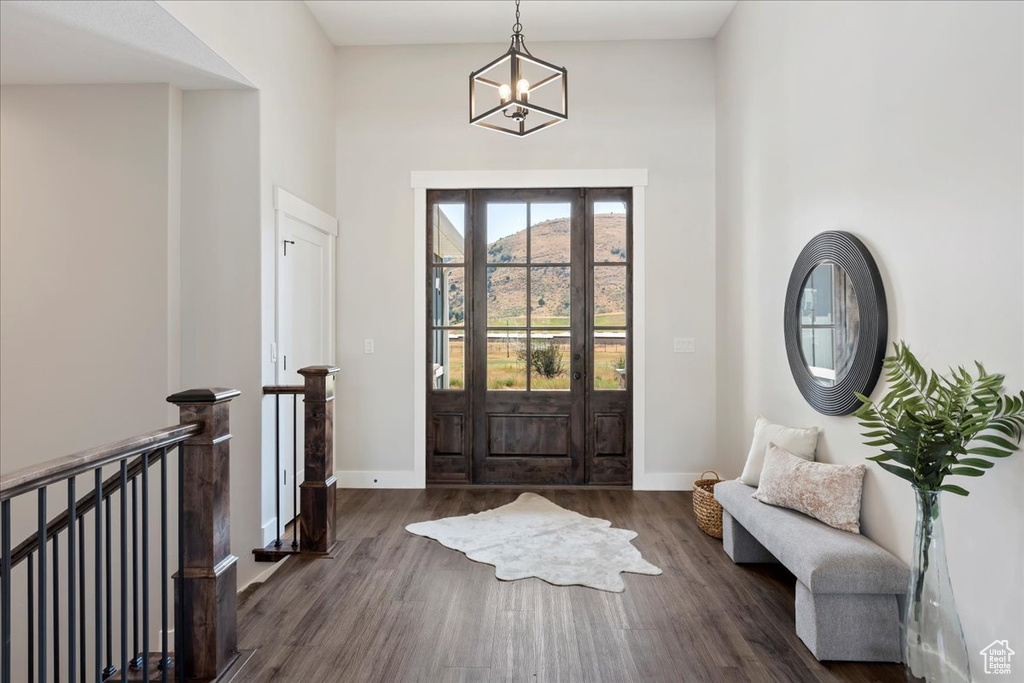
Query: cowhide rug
<point x="532" y="536"/>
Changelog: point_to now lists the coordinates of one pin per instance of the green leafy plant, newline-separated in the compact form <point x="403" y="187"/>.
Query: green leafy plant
<point x="545" y="358"/>
<point x="932" y="426"/>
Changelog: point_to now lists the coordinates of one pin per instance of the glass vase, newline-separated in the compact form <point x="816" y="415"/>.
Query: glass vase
<point x="934" y="649"/>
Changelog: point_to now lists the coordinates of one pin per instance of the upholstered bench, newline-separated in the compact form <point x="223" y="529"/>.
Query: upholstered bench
<point x="849" y="591"/>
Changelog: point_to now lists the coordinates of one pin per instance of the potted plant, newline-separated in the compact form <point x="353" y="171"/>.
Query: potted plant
<point x="931" y="427"/>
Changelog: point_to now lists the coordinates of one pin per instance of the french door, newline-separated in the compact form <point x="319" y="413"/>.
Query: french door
<point x="529" y="339"/>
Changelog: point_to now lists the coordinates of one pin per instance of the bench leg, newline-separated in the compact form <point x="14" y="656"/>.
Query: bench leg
<point x="740" y="546"/>
<point x="848" y="626"/>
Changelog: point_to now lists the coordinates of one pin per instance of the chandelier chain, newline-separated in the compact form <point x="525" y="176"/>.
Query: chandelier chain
<point x="517" y="29"/>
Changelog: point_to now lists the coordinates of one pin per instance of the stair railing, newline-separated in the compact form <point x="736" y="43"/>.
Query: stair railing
<point x="313" y="510"/>
<point x="117" y="644"/>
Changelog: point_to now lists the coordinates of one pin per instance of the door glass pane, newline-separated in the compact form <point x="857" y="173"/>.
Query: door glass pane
<point x="610" y="232"/>
<point x="550" y="233"/>
<point x="506" y="233"/>
<point x="506" y="360"/>
<point x="449" y="359"/>
<point x="549" y="360"/>
<point x="550" y="294"/>
<point x="610" y="359"/>
<point x="448" y="304"/>
<point x="609" y="295"/>
<point x="448" y="228"/>
<point x="506" y="297"/>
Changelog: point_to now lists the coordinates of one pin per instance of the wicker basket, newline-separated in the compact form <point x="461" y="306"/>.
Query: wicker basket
<point x="705" y="508"/>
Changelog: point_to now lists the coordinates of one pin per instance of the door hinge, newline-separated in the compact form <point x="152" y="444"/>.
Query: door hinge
<point x="286" y="243"/>
<point x="286" y="361"/>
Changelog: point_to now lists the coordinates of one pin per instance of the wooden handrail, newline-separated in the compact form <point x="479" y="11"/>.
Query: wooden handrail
<point x="34" y="477"/>
<point x="284" y="389"/>
<point x="82" y="506"/>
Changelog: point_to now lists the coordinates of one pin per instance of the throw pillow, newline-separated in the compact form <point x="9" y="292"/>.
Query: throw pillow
<point x="829" y="493"/>
<point x="799" y="442"/>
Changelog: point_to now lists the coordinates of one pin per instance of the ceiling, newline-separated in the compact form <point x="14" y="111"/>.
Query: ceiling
<point x="409" y="22"/>
<point x="106" y="41"/>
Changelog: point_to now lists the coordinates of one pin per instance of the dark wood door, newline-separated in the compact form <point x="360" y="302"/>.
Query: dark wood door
<point x="528" y="346"/>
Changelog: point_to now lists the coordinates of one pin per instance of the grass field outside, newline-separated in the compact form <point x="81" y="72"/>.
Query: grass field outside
<point x="600" y="320"/>
<point x="506" y="372"/>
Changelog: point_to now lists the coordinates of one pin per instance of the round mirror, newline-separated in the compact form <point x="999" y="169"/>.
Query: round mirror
<point x="829" y="323"/>
<point x="836" y="322"/>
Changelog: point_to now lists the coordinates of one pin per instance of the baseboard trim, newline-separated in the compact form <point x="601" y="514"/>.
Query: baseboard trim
<point x="406" y="479"/>
<point x="669" y="481"/>
<point x="269" y="530"/>
<point x="385" y="479"/>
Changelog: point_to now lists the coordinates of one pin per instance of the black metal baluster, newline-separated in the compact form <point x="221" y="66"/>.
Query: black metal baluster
<point x="179" y="631"/>
<point x="137" y="659"/>
<point x="5" y="590"/>
<point x="41" y="625"/>
<point x="72" y="644"/>
<point x="56" y="610"/>
<point x="31" y="619"/>
<point x="81" y="599"/>
<point x="277" y="466"/>
<point x="295" y="470"/>
<point x="124" y="567"/>
<point x="107" y="542"/>
<point x="145" y="568"/>
<point x="165" y="660"/>
<point x="98" y="578"/>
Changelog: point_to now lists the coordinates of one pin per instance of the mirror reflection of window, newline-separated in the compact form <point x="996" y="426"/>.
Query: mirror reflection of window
<point x="829" y="323"/>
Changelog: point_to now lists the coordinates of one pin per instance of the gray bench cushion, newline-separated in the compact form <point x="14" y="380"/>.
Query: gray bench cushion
<point x="824" y="559"/>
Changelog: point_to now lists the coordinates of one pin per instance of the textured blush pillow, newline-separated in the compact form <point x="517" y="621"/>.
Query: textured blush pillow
<point x="799" y="442"/>
<point x="829" y="493"/>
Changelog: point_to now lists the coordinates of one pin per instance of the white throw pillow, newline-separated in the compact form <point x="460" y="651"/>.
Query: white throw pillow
<point x="799" y="442"/>
<point x="829" y="493"/>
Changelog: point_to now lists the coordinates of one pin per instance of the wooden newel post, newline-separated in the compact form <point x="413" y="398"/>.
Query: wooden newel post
<point x="205" y="596"/>
<point x="319" y="487"/>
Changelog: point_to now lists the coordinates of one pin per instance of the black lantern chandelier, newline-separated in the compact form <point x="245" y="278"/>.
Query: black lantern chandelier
<point x="527" y="101"/>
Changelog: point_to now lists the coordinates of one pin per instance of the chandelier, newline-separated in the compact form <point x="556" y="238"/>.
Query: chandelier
<point x="515" y="93"/>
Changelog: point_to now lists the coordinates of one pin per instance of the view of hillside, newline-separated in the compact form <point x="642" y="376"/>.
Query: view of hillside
<point x="506" y="287"/>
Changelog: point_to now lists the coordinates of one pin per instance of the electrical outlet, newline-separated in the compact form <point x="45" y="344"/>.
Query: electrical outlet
<point x="683" y="345"/>
<point x="367" y="346"/>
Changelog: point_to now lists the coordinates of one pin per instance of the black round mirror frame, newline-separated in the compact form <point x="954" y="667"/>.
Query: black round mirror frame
<point x="850" y="254"/>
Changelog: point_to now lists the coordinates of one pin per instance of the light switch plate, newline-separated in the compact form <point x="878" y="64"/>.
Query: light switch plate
<point x="683" y="345"/>
<point x="367" y="346"/>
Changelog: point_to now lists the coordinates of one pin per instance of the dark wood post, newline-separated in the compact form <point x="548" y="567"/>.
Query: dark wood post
<point x="319" y="487"/>
<point x="205" y="597"/>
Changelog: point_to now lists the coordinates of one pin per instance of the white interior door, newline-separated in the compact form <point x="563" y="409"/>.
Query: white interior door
<point x="305" y="331"/>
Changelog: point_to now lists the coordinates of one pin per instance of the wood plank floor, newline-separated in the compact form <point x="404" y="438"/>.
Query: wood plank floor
<point x="396" y="607"/>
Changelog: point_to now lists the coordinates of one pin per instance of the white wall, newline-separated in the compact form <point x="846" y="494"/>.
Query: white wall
<point x="220" y="256"/>
<point x="280" y="48"/>
<point x="904" y="124"/>
<point x="90" y="321"/>
<point x="632" y="105"/>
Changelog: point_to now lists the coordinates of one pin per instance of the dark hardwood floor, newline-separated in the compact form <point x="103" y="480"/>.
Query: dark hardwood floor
<point x="391" y="606"/>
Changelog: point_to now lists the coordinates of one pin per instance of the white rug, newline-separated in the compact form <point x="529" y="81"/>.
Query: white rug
<point x="534" y="537"/>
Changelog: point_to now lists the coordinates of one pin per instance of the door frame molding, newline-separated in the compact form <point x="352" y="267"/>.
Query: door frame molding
<point x="421" y="181"/>
<point x="287" y="204"/>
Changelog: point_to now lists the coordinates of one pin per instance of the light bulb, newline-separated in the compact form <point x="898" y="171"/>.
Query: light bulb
<point x="504" y="92"/>
<point x="522" y="87"/>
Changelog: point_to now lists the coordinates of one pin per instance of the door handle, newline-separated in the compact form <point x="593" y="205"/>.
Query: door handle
<point x="577" y="375"/>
